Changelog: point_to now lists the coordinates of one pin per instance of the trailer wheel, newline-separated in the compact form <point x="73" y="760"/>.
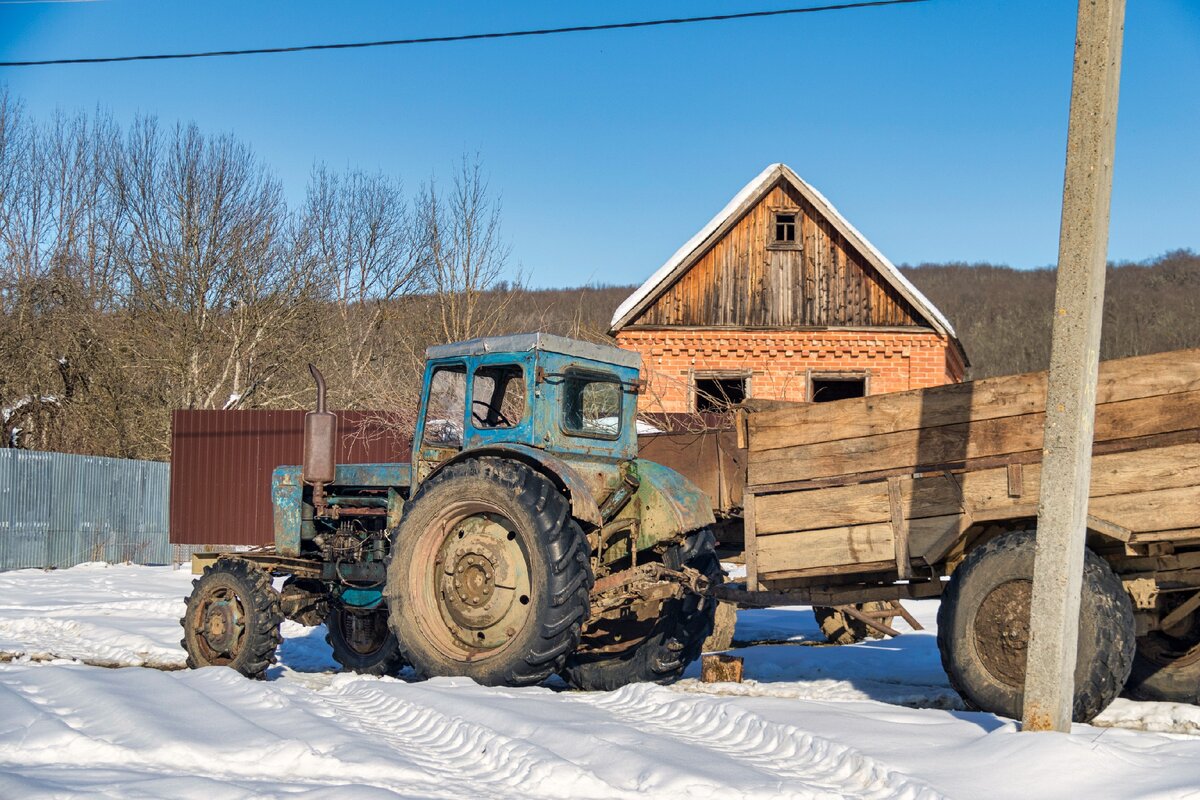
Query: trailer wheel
<point x="1167" y="664"/>
<point x="362" y="641"/>
<point x="490" y="576"/>
<point x="232" y="618"/>
<point x="676" y="640"/>
<point x="841" y="628"/>
<point x="983" y="629"/>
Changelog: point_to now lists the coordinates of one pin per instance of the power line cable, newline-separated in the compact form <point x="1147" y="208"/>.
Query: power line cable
<point x="468" y="37"/>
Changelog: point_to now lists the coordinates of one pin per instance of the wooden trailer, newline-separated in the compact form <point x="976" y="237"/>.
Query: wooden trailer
<point x="893" y="496"/>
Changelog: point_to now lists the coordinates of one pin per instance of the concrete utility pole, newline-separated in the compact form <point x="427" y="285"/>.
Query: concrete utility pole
<point x="1074" y="360"/>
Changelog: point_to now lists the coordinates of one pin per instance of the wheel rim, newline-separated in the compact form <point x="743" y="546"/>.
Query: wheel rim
<point x="364" y="632"/>
<point x="472" y="597"/>
<point x="220" y="625"/>
<point x="1177" y="646"/>
<point x="1001" y="631"/>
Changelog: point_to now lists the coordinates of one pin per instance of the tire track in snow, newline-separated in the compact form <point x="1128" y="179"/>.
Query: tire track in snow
<point x="808" y="765"/>
<point x="474" y="758"/>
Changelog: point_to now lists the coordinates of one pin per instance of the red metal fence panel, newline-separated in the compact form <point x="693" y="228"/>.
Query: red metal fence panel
<point x="221" y="464"/>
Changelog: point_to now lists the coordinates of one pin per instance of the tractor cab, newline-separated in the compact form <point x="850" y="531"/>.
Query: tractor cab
<point x="574" y="399"/>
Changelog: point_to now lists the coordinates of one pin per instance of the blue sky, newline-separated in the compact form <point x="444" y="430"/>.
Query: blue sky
<point x="938" y="129"/>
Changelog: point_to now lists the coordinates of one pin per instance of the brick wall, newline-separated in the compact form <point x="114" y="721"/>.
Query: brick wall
<point x="780" y="362"/>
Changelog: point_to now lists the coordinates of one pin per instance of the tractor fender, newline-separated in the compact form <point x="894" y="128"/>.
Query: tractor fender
<point x="583" y="500"/>
<point x="670" y="504"/>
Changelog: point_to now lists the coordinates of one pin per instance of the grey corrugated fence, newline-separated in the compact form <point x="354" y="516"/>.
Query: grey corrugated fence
<point x="58" y="510"/>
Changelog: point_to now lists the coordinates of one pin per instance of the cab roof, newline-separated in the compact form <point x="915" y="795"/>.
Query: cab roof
<point x="529" y="342"/>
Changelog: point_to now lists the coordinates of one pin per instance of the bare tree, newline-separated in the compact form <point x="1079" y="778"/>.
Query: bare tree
<point x="209" y="258"/>
<point x="467" y="254"/>
<point x="369" y="253"/>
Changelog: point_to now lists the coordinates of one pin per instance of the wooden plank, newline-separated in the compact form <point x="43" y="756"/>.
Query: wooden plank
<point x="750" y="534"/>
<point x="860" y="544"/>
<point x="950" y="443"/>
<point x="899" y="527"/>
<point x="1011" y="395"/>
<point x="850" y="548"/>
<point x="1016" y="480"/>
<point x="1163" y="509"/>
<point x="983" y="491"/>
<point x="1158" y="440"/>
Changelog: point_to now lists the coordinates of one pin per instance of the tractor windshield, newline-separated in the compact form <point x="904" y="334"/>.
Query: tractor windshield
<point x="446" y="408"/>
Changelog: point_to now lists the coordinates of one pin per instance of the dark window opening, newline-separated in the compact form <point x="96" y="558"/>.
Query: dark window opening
<point x="718" y="394"/>
<point x="498" y="396"/>
<point x="825" y="390"/>
<point x="785" y="228"/>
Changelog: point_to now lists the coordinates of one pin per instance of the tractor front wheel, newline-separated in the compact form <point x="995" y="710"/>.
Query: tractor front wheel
<point x="490" y="576"/>
<point x="232" y="618"/>
<point x="362" y="641"/>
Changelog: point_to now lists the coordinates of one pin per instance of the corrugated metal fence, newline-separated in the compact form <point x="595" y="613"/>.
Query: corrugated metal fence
<point x="58" y="510"/>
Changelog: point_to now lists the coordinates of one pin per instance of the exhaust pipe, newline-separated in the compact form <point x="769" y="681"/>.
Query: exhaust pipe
<point x="320" y="429"/>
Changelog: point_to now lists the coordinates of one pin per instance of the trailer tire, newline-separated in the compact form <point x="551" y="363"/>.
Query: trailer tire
<point x="362" y="641"/>
<point x="514" y="576"/>
<point x="841" y="628"/>
<point x="1166" y="666"/>
<point x="675" y="641"/>
<point x="232" y="618"/>
<point x="983" y="629"/>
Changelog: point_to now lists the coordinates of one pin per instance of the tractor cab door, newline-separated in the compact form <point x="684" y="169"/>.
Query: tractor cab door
<point x="439" y="431"/>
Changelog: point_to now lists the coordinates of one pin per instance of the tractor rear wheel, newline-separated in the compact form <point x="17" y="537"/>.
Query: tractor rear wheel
<point x="232" y="618"/>
<point x="490" y="576"/>
<point x="983" y="629"/>
<point x="675" y="640"/>
<point x="362" y="641"/>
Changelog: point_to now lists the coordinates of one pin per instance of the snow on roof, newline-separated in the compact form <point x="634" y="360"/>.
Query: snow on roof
<point x="750" y="194"/>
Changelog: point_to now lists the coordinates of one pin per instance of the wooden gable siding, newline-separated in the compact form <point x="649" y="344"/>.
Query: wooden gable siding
<point x="740" y="282"/>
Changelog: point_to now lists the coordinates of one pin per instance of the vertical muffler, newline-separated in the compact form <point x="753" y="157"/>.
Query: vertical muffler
<point x="320" y="428"/>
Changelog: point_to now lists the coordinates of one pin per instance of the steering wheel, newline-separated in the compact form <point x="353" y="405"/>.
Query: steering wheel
<point x="483" y="420"/>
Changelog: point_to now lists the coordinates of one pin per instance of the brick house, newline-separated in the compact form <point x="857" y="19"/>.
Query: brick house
<point x="779" y="297"/>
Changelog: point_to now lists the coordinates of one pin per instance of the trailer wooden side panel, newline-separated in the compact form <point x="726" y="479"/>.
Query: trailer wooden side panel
<point x="901" y="496"/>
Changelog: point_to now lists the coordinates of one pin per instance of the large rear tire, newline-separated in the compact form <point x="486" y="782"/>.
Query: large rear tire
<point x="490" y="576"/>
<point x="676" y="640"/>
<point x="983" y="629"/>
<point x="362" y="641"/>
<point x="232" y="618"/>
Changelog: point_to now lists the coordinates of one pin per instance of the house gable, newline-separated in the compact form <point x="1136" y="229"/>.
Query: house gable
<point x="732" y="275"/>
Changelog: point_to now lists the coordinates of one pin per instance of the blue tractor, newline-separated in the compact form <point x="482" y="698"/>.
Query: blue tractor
<point x="525" y="538"/>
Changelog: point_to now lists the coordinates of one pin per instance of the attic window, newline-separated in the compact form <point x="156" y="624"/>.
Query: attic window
<point x="783" y="228"/>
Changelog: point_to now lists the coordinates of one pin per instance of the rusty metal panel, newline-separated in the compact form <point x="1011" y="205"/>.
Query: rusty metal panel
<point x="58" y="510"/>
<point x="222" y="463"/>
<point x="710" y="459"/>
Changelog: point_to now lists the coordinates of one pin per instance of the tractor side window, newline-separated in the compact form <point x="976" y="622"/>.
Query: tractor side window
<point x="446" y="407"/>
<point x="592" y="406"/>
<point x="498" y="396"/>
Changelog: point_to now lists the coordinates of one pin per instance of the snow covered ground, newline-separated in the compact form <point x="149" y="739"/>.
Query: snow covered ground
<point x="875" y="720"/>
